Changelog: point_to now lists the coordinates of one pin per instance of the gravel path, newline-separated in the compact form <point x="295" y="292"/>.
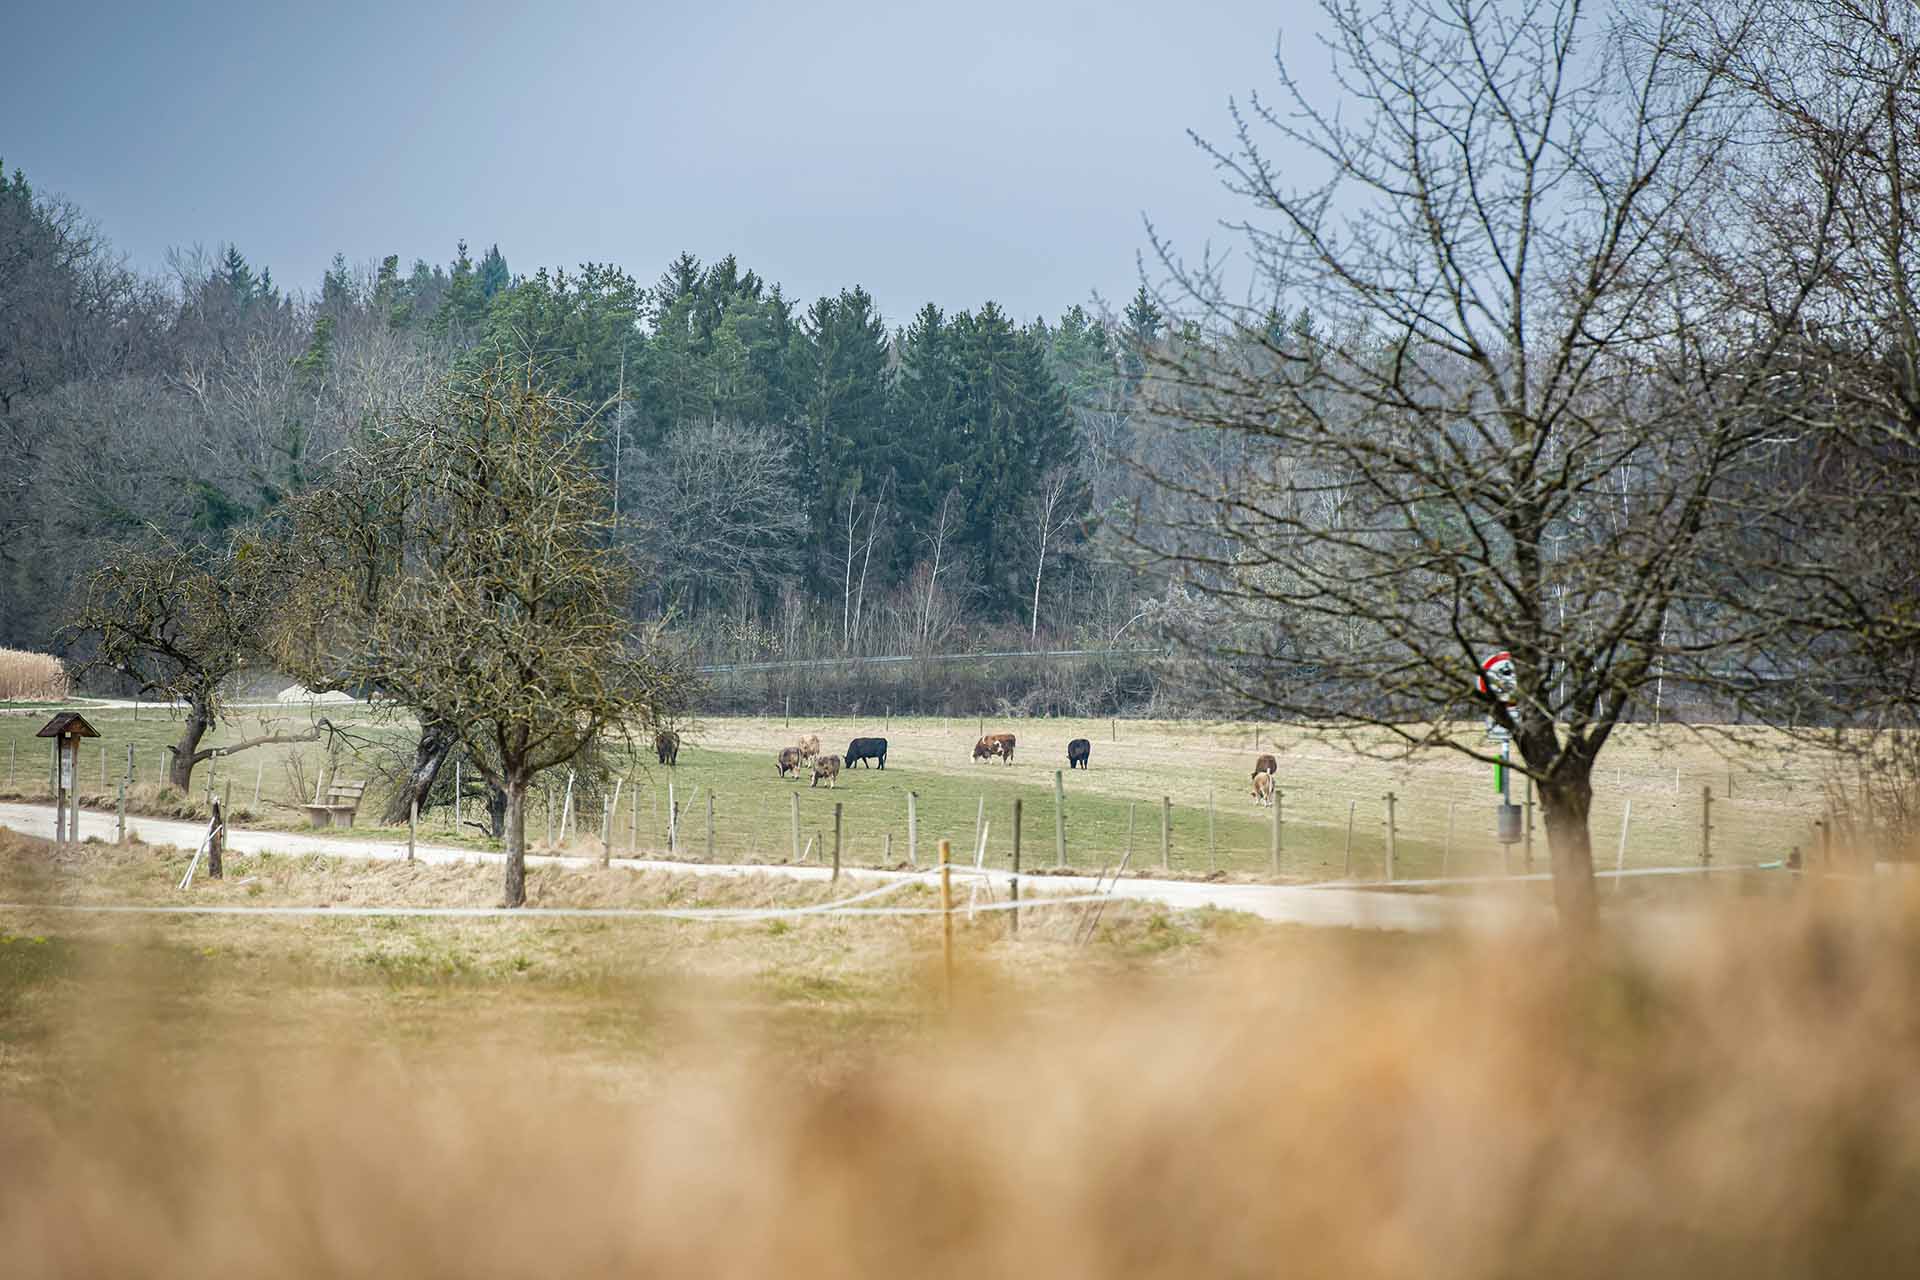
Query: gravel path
<point x="1289" y="904"/>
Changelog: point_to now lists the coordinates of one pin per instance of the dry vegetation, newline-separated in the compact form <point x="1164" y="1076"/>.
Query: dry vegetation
<point x="31" y="677"/>
<point x="243" y="1098"/>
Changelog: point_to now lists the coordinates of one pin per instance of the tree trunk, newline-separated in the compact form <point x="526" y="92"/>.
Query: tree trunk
<point x="180" y="771"/>
<point x="516" y="885"/>
<point x="436" y="743"/>
<point x="496" y="812"/>
<point x="1567" y="803"/>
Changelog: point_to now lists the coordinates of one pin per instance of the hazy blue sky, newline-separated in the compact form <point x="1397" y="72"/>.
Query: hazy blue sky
<point x="948" y="152"/>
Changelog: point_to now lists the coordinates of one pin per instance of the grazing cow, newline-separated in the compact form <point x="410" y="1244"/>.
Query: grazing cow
<point x="809" y="746"/>
<point x="867" y="749"/>
<point x="827" y="767"/>
<point x="666" y="745"/>
<point x="789" y="764"/>
<point x="1077" y="752"/>
<point x="994" y="744"/>
<point x="1265" y="764"/>
<point x="1263" y="789"/>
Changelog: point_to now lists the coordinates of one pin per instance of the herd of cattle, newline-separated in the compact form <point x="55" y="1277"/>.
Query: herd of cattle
<point x="805" y="753"/>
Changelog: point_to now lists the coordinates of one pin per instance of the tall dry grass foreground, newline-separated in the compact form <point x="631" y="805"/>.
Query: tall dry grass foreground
<point x="1737" y="1100"/>
<point x="31" y="677"/>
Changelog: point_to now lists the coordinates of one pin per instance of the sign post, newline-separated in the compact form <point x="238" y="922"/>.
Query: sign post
<point x="66" y="730"/>
<point x="1498" y="679"/>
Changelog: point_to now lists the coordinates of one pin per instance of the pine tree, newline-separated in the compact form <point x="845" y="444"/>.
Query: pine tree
<point x="494" y="275"/>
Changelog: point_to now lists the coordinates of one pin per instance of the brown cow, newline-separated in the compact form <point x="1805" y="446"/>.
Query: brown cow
<point x="827" y="767"/>
<point x="789" y="762"/>
<point x="994" y="744"/>
<point x="1263" y="789"/>
<point x="1265" y="764"/>
<point x="809" y="746"/>
<point x="666" y="745"/>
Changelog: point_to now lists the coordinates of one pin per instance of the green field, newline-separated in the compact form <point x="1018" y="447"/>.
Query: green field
<point x="1136" y="766"/>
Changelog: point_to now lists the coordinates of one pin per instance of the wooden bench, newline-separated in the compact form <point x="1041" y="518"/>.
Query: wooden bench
<point x="342" y="801"/>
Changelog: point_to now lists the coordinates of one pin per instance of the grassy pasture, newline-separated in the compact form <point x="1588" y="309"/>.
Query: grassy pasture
<point x="1774" y="797"/>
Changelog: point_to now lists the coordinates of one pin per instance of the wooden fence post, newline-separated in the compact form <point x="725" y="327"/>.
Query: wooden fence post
<point x="794" y="810"/>
<point x="1166" y="837"/>
<point x="946" y="917"/>
<point x="1390" y="835"/>
<point x="979" y="820"/>
<point x="673" y="824"/>
<point x="457" y="788"/>
<point x="1620" y="856"/>
<point x="216" y="844"/>
<point x="913" y="826"/>
<point x="1212" y="850"/>
<point x="1130" y="808"/>
<point x="1527" y="844"/>
<point x="547" y="792"/>
<point x="1059" y="820"/>
<point x="1349" y="871"/>
<point x="413" y="821"/>
<point x="259" y="773"/>
<point x="103" y="770"/>
<point x="12" y="750"/>
<point x="1706" y="826"/>
<point x="1014" y="886"/>
<point x="1279" y="802"/>
<point x="836" y="837"/>
<point x="120" y="834"/>
<point x="710" y="827"/>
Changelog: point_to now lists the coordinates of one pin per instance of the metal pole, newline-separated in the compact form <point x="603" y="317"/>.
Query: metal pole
<point x="1130" y="808"/>
<point x="673" y="823"/>
<point x="710" y="827"/>
<point x="794" y="796"/>
<point x="979" y="820"/>
<point x="259" y="772"/>
<point x="836" y="837"/>
<point x="457" y="788"/>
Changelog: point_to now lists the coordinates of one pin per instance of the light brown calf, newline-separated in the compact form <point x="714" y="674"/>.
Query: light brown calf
<point x="827" y="767"/>
<point x="1263" y="788"/>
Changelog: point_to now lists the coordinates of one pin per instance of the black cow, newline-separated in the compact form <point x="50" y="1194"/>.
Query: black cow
<point x="867" y="749"/>
<point x="1077" y="752"/>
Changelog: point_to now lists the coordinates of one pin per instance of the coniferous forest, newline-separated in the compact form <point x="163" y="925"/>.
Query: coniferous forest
<point x="797" y="479"/>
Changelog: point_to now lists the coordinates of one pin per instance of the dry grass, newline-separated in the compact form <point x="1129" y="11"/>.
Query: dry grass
<point x="1732" y="1098"/>
<point x="31" y="677"/>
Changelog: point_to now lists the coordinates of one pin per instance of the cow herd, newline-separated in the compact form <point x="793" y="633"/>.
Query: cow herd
<point x="805" y="754"/>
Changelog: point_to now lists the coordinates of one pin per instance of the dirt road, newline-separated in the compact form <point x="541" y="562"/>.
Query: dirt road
<point x="1347" y="908"/>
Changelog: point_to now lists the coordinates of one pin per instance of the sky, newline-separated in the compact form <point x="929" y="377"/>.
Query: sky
<point x="946" y="153"/>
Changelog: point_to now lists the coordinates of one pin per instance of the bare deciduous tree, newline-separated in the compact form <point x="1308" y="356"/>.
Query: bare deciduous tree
<point x="1522" y="409"/>
<point x="180" y="621"/>
<point x="461" y="565"/>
